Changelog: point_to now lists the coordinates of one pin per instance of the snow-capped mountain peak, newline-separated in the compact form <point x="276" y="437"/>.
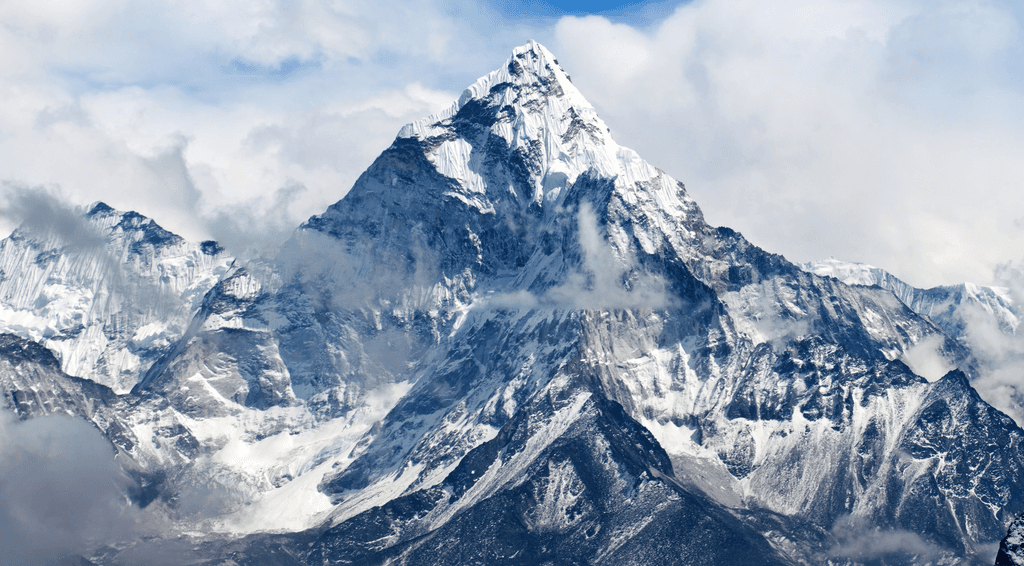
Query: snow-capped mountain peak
<point x="532" y="105"/>
<point x="530" y="66"/>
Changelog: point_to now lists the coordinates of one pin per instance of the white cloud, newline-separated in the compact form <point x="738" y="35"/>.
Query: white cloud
<point x="61" y="490"/>
<point x="196" y="112"/>
<point x="999" y="350"/>
<point x="926" y="358"/>
<point x="183" y="161"/>
<point x="885" y="132"/>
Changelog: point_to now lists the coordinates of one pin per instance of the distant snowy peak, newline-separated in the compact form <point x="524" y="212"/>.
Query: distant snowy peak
<point x="945" y="305"/>
<point x="134" y="226"/>
<point x="853" y="273"/>
<point x="105" y="290"/>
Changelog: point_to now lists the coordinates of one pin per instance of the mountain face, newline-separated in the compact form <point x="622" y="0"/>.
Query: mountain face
<point x="1011" y="549"/>
<point x="106" y="294"/>
<point x="516" y="342"/>
<point x="983" y="319"/>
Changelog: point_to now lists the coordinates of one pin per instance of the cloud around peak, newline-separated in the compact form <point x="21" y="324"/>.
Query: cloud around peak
<point x="872" y="131"/>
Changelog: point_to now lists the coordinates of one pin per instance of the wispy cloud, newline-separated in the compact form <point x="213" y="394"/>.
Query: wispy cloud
<point x="41" y="213"/>
<point x="605" y="279"/>
<point x="999" y="350"/>
<point x="926" y="358"/>
<point x="856" y="539"/>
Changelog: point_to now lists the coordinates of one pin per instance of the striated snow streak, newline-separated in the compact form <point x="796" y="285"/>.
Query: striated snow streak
<point x="508" y="470"/>
<point x="105" y="305"/>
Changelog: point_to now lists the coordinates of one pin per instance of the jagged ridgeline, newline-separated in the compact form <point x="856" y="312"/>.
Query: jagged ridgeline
<point x="515" y="342"/>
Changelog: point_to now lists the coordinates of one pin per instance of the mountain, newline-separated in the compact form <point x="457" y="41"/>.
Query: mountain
<point x="984" y="319"/>
<point x="513" y="341"/>
<point x="106" y="293"/>
<point x="949" y="306"/>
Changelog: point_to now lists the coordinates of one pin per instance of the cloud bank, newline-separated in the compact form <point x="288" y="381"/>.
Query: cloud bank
<point x="884" y="132"/>
<point x="61" y="490"/>
<point x="196" y="112"/>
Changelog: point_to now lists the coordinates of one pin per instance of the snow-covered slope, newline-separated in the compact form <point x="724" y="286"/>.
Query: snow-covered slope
<point x="983" y="319"/>
<point x="107" y="297"/>
<point x="949" y="306"/>
<point x="1011" y="549"/>
<point x="516" y="342"/>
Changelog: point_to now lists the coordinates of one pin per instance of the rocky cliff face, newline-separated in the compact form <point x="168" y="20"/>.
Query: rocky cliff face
<point x="514" y="341"/>
<point x="1011" y="549"/>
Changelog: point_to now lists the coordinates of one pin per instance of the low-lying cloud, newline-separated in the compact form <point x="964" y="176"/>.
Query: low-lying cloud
<point x="62" y="492"/>
<point x="856" y="539"/>
<point x="998" y="345"/>
<point x="926" y="358"/>
<point x="606" y="279"/>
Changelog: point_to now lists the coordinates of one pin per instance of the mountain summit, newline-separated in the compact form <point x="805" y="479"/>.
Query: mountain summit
<point x="516" y="342"/>
<point x="531" y="105"/>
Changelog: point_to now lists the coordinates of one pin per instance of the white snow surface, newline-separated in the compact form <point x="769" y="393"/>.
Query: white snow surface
<point x="102" y="305"/>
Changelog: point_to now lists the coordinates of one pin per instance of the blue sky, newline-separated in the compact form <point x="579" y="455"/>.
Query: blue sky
<point x="883" y="131"/>
<point x="639" y="12"/>
<point x="577" y="8"/>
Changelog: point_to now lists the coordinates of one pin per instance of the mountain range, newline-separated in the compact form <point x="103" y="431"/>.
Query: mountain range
<point x="513" y="341"/>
